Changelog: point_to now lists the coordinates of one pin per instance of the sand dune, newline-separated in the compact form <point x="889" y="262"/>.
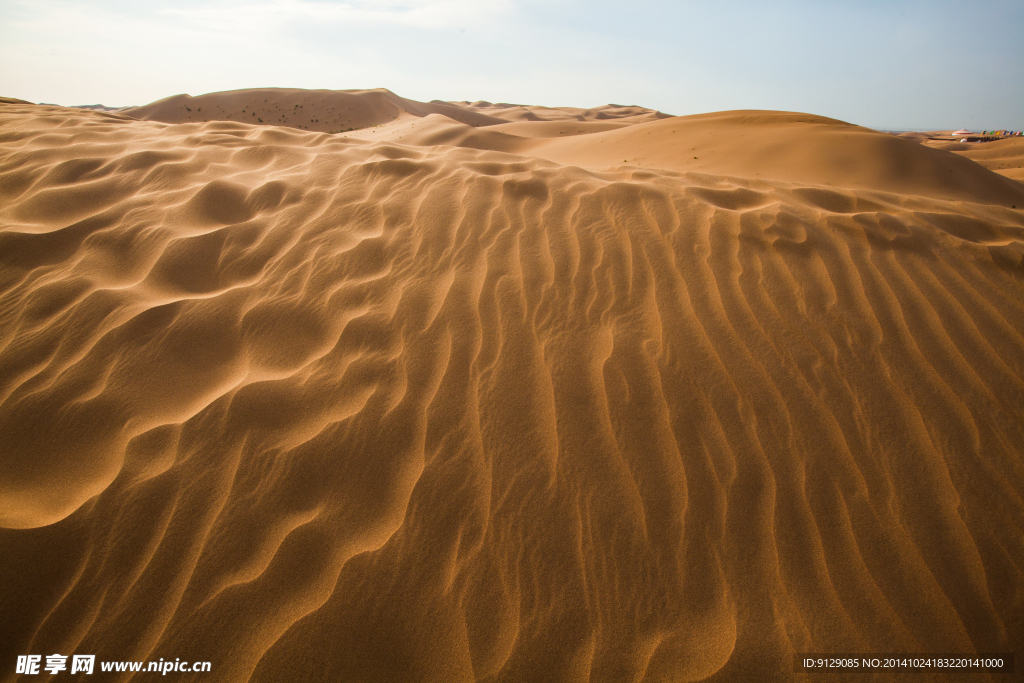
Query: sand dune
<point x="357" y="110"/>
<point x="608" y="112"/>
<point x="1005" y="157"/>
<point x="325" y="407"/>
<point x="791" y="147"/>
<point x="555" y="129"/>
<point x="761" y="145"/>
<point x="345" y="110"/>
<point x="743" y="143"/>
<point x="319" y="110"/>
<point x="769" y="145"/>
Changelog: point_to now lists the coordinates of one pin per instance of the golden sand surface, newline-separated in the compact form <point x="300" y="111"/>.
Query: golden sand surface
<point x="488" y="392"/>
<point x="1004" y="156"/>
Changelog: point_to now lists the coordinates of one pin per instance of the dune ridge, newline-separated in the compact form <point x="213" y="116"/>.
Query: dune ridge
<point x="788" y="146"/>
<point x="344" y="110"/>
<point x="315" y="407"/>
<point x="1005" y="157"/>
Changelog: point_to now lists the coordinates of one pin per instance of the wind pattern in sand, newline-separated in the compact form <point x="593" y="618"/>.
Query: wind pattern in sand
<point x="318" y="408"/>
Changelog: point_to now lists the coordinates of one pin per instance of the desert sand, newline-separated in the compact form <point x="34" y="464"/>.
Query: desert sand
<point x="340" y="386"/>
<point x="1005" y="157"/>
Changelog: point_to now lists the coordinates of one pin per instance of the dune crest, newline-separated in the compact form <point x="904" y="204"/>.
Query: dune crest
<point x="315" y="407"/>
<point x="770" y="145"/>
<point x="1005" y="157"/>
<point x="345" y="110"/>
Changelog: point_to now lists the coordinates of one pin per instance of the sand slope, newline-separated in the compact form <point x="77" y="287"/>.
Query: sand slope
<point x="786" y="146"/>
<point x="793" y="147"/>
<point x="767" y="145"/>
<point x="321" y="408"/>
<point x="751" y="144"/>
<point x="344" y="110"/>
<point x="524" y="113"/>
<point x="1005" y="157"/>
<point x="320" y="110"/>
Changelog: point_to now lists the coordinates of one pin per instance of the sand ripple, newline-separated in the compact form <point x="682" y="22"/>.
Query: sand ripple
<point x="316" y="408"/>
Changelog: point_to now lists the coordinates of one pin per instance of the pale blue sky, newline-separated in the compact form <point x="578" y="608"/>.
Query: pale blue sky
<point x="897" y="64"/>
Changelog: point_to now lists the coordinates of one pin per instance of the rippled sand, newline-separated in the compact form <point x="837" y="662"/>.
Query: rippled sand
<point x="395" y="406"/>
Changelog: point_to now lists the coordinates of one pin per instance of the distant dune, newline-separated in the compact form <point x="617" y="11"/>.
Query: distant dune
<point x="320" y="110"/>
<point x="768" y="145"/>
<point x="496" y="392"/>
<point x="101" y="107"/>
<point x="1005" y="157"/>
